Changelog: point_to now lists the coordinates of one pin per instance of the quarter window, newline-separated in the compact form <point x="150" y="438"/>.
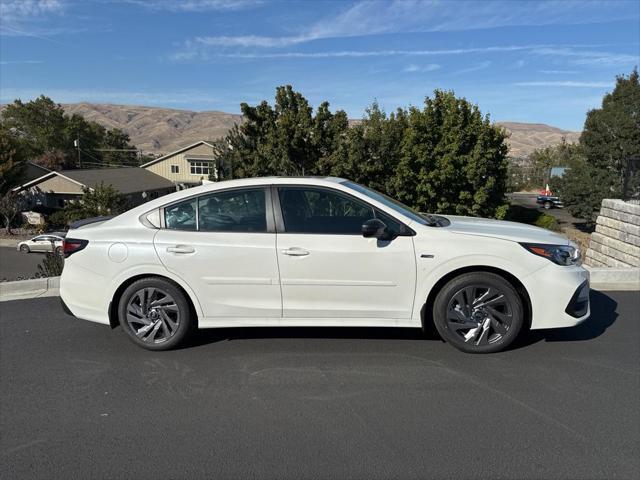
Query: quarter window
<point x="181" y="216"/>
<point x="200" y="168"/>
<point x="233" y="211"/>
<point x="311" y="210"/>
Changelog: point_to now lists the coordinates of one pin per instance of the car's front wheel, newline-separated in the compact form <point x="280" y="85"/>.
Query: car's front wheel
<point x="478" y="312"/>
<point x="155" y="314"/>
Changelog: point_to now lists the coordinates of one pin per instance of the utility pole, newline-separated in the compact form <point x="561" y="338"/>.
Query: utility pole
<point x="76" y="143"/>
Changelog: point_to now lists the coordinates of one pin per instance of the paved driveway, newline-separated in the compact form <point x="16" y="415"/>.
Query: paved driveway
<point x="80" y="401"/>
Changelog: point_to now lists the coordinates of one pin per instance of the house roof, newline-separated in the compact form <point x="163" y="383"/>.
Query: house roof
<point x="188" y="147"/>
<point x="125" y="180"/>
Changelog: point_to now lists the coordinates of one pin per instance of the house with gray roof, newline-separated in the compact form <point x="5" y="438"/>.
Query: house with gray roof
<point x="138" y="185"/>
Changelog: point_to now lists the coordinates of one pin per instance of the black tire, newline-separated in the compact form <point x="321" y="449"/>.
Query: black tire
<point x="547" y="205"/>
<point x="165" y="329"/>
<point x="58" y="250"/>
<point x="24" y="249"/>
<point x="464" y="320"/>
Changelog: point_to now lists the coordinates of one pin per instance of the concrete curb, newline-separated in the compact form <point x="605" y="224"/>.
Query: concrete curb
<point x="34" y="288"/>
<point x="609" y="279"/>
<point x="602" y="278"/>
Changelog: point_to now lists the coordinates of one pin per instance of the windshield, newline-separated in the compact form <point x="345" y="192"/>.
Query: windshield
<point x="389" y="202"/>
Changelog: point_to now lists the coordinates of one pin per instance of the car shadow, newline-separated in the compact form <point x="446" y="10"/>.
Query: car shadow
<point x="214" y="335"/>
<point x="603" y="315"/>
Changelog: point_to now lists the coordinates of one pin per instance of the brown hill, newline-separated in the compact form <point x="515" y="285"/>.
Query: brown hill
<point x="162" y="130"/>
<point x="526" y="137"/>
<point x="158" y="130"/>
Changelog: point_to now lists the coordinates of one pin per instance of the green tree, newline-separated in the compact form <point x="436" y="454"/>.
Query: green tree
<point x="453" y="159"/>
<point x="118" y="141"/>
<point x="99" y="201"/>
<point x="11" y="204"/>
<point x="38" y="123"/>
<point x="286" y="139"/>
<point x="11" y="161"/>
<point x="371" y="150"/>
<point x="47" y="136"/>
<point x="582" y="190"/>
<point x="611" y="135"/>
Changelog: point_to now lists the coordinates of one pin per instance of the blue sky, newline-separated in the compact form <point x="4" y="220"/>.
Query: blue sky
<point x="546" y="62"/>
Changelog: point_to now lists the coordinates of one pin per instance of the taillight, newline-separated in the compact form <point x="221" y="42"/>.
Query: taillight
<point x="73" y="245"/>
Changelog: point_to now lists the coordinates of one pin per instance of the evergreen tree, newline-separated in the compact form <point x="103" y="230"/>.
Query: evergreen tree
<point x="453" y="159"/>
<point x="611" y="135"/>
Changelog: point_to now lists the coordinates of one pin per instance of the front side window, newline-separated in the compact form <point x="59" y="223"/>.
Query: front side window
<point x="200" y="168"/>
<point x="315" y="210"/>
<point x="233" y="211"/>
<point x="181" y="216"/>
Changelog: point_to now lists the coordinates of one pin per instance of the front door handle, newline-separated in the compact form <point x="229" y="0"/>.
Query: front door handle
<point x="181" y="249"/>
<point x="295" y="252"/>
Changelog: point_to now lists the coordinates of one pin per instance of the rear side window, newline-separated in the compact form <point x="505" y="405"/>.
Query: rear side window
<point x="233" y="211"/>
<point x="320" y="211"/>
<point x="181" y="216"/>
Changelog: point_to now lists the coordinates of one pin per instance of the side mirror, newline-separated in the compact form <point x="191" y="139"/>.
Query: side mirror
<point x="375" y="228"/>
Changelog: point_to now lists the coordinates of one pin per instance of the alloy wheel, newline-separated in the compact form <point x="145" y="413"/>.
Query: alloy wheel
<point x="479" y="315"/>
<point x="153" y="315"/>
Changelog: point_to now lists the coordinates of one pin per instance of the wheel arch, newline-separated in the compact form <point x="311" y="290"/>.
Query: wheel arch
<point x="426" y="313"/>
<point x="115" y="300"/>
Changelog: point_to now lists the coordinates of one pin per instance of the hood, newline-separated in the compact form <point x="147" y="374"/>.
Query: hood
<point x="514" y="231"/>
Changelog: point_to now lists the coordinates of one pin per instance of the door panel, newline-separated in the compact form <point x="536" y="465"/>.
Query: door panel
<point x="328" y="269"/>
<point x="346" y="276"/>
<point x="223" y="244"/>
<point x="232" y="274"/>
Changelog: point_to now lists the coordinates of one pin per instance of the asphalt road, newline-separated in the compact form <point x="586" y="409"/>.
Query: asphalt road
<point x="81" y="401"/>
<point x="15" y="265"/>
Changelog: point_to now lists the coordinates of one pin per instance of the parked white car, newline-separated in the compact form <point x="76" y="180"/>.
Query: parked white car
<point x="42" y="243"/>
<point x="317" y="252"/>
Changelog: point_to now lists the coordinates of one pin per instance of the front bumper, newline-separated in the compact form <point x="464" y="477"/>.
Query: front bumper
<point x="559" y="296"/>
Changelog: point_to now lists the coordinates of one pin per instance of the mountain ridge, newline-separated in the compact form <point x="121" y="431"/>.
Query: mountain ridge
<point x="159" y="130"/>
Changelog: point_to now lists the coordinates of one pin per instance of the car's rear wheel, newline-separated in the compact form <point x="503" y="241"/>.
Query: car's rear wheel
<point x="58" y="250"/>
<point x="155" y="314"/>
<point x="547" y="205"/>
<point x="24" y="248"/>
<point x="478" y="312"/>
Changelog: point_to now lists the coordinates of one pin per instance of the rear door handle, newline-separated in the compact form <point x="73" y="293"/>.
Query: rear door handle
<point x="295" y="252"/>
<point x="181" y="249"/>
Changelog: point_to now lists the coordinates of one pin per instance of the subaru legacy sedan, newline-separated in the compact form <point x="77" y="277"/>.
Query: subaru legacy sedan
<point x="317" y="252"/>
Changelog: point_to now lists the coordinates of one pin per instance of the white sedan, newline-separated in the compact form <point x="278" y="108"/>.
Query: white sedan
<point x="42" y="243"/>
<point x="317" y="252"/>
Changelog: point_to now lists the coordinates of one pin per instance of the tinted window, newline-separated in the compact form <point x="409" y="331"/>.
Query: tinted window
<point x="311" y="210"/>
<point x="388" y="201"/>
<point x="234" y="211"/>
<point x="181" y="216"/>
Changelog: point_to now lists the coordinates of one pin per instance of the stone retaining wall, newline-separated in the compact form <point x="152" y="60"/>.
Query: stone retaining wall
<point x="616" y="241"/>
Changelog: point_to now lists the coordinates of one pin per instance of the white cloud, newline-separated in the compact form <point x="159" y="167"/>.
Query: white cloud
<point x="559" y="72"/>
<point x="192" y="53"/>
<point x="183" y="97"/>
<point x="413" y="68"/>
<point x="480" y="66"/>
<point x="20" y="62"/>
<point x="577" y="56"/>
<point x="194" y="5"/>
<point x="405" y="16"/>
<point x="565" y="83"/>
<point x="21" y="17"/>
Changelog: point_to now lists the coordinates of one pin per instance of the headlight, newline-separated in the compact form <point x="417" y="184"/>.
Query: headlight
<point x="559" y="254"/>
